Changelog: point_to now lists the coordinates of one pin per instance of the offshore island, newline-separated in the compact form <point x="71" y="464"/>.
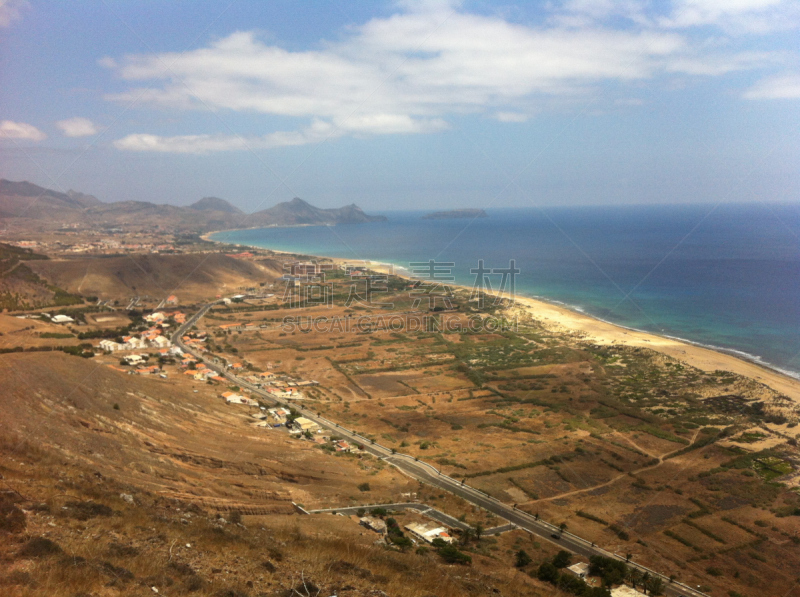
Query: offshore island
<point x="189" y="404"/>
<point x="456" y="214"/>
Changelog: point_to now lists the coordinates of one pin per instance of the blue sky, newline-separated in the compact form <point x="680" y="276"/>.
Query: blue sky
<point x="404" y="104"/>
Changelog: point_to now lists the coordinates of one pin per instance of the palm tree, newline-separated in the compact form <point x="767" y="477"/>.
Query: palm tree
<point x="478" y="531"/>
<point x="634" y="576"/>
<point x="655" y="586"/>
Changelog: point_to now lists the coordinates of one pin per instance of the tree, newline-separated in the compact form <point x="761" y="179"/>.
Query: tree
<point x="634" y="577"/>
<point x="562" y="527"/>
<point x="547" y="572"/>
<point x="655" y="586"/>
<point x="562" y="559"/>
<point x="452" y="555"/>
<point x="478" y="531"/>
<point x="523" y="559"/>
<point x="466" y="535"/>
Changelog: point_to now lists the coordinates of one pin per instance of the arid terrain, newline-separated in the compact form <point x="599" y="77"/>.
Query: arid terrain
<point x="130" y="476"/>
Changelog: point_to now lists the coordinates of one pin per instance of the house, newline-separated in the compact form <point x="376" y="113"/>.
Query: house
<point x="374" y="524"/>
<point x="156" y="317"/>
<point x="234" y="398"/>
<point x="110" y="346"/>
<point x="304" y="424"/>
<point x="61" y="319"/>
<point x="428" y="533"/>
<point x="172" y="299"/>
<point x="625" y="591"/>
<point x="133" y="359"/>
<point x="581" y="569"/>
<point x="160" y="342"/>
<point x="342" y="446"/>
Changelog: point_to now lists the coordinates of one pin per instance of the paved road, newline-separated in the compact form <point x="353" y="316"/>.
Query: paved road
<point x="424" y="509"/>
<point x="427" y="473"/>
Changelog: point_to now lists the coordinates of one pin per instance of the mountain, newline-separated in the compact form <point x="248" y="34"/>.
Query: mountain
<point x="215" y="204"/>
<point x="27" y="200"/>
<point x="298" y="212"/>
<point x="31" y="205"/>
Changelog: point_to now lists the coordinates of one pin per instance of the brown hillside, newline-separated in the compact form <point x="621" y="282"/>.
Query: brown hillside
<point x="118" y="501"/>
<point x="191" y="276"/>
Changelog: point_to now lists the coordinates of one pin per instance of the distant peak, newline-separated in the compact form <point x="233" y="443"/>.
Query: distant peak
<point x="214" y="204"/>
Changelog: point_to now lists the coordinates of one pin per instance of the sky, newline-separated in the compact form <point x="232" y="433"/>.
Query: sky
<point x="404" y="104"/>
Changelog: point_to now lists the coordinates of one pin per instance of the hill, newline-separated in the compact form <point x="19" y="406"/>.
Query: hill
<point x="27" y="200"/>
<point x="28" y="206"/>
<point x="192" y="276"/>
<point x="117" y="484"/>
<point x="215" y="204"/>
<point x="299" y="212"/>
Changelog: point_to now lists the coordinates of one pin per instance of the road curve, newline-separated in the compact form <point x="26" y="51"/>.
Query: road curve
<point x="427" y="473"/>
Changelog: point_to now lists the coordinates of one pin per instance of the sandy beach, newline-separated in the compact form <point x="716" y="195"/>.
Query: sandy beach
<point x="563" y="319"/>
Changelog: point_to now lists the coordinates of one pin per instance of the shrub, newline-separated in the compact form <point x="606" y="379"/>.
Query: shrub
<point x="363" y="487"/>
<point x="547" y="572"/>
<point x="452" y="555"/>
<point x="87" y="510"/>
<point x="562" y="559"/>
<point x="523" y="559"/>
<point x="12" y="519"/>
<point x="39" y="547"/>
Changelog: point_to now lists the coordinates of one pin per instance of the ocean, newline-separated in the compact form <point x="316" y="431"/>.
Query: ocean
<point x="725" y="276"/>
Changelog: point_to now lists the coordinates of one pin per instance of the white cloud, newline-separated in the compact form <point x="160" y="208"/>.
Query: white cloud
<point x="583" y="13"/>
<point x="77" y="127"/>
<point x="408" y="72"/>
<point x="779" y="87"/>
<point x="203" y="144"/>
<point x="510" y="117"/>
<point x="753" y="16"/>
<point x="20" y="130"/>
<point x="10" y="11"/>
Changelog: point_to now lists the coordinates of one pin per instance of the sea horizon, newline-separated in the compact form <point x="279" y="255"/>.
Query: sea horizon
<point x="721" y="276"/>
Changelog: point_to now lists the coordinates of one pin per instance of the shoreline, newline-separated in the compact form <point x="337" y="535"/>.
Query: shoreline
<point x="562" y="317"/>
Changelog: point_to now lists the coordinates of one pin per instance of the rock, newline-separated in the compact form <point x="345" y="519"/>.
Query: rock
<point x="127" y="497"/>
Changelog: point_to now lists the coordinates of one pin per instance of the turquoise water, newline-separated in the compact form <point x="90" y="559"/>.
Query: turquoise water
<point x="725" y="276"/>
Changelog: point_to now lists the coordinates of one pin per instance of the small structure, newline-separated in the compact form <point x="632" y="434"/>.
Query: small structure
<point x="428" y="533"/>
<point x="581" y="569"/>
<point x="110" y="346"/>
<point x="304" y="425"/>
<point x="133" y="359"/>
<point x="234" y="398"/>
<point x="373" y="524"/>
<point x="61" y="319"/>
<point x="625" y="591"/>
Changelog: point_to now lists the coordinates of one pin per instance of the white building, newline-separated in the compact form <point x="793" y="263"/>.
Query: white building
<point x="581" y="569"/>
<point x="428" y="532"/>
<point x="160" y="342"/>
<point x="62" y="319"/>
<point x="110" y="346"/>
